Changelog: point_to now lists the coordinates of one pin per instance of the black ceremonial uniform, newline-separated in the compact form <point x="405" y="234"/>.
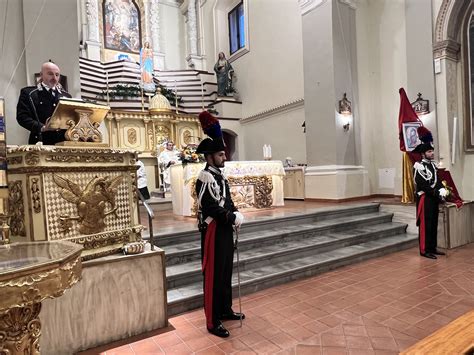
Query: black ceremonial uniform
<point x="216" y="207"/>
<point x="427" y="203"/>
<point x="35" y="105"/>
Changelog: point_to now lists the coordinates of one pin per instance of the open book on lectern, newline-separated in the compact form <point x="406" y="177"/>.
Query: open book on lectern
<point x="71" y="109"/>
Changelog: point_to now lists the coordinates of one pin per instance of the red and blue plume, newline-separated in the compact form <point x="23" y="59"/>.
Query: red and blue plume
<point x="425" y="135"/>
<point x="210" y="125"/>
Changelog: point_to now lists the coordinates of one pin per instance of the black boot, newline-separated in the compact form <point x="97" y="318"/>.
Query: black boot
<point x="219" y="331"/>
<point x="429" y="255"/>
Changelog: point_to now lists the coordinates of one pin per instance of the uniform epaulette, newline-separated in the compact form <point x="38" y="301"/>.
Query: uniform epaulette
<point x="419" y="167"/>
<point x="206" y="177"/>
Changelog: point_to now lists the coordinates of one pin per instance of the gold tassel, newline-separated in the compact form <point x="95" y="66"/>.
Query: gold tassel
<point x="408" y="183"/>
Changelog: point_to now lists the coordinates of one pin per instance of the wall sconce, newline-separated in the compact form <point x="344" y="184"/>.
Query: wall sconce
<point x="345" y="106"/>
<point x="346" y="127"/>
<point x="421" y="106"/>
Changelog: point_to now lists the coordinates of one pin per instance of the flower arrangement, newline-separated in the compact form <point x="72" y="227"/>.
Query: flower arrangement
<point x="189" y="155"/>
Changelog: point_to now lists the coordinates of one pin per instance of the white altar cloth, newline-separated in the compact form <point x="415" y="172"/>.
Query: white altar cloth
<point x="182" y="177"/>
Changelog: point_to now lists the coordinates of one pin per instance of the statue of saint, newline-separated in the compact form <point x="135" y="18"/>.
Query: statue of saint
<point x="146" y="68"/>
<point x="224" y="73"/>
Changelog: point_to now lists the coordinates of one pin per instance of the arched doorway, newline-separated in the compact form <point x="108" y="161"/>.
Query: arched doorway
<point x="230" y="140"/>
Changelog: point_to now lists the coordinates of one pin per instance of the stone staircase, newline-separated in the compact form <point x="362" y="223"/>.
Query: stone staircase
<point x="197" y="88"/>
<point x="277" y="250"/>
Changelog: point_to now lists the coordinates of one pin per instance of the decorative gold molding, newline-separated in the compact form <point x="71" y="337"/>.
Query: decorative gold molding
<point x="66" y="169"/>
<point x="112" y="241"/>
<point x="16" y="208"/>
<point x="36" y="286"/>
<point x="263" y="188"/>
<point x="32" y="158"/>
<point x="78" y="158"/>
<point x="132" y="136"/>
<point x="14" y="160"/>
<point x="20" y="330"/>
<point x="35" y="194"/>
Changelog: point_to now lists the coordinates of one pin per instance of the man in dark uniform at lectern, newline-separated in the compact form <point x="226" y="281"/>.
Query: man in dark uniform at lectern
<point x="37" y="103"/>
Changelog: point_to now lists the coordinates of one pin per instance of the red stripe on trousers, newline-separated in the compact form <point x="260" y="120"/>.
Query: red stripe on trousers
<point x="208" y="269"/>
<point x="421" y="216"/>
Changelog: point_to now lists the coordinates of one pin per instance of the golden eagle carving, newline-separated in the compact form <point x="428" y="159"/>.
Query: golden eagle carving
<point x="91" y="203"/>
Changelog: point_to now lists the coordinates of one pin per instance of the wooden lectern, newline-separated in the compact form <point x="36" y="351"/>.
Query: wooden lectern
<point x="80" y="119"/>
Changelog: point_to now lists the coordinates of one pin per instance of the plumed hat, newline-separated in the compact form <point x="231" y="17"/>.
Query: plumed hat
<point x="211" y="126"/>
<point x="426" y="139"/>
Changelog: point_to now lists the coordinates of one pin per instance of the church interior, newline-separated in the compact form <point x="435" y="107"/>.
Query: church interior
<point x="322" y="105"/>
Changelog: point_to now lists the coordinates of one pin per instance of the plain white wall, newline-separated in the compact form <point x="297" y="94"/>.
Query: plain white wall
<point x="11" y="55"/>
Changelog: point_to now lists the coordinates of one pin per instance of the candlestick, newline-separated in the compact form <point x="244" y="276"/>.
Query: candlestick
<point x="176" y="96"/>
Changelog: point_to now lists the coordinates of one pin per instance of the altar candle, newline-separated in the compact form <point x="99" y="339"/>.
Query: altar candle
<point x="202" y="94"/>
<point x="264" y="151"/>
<point x="269" y="151"/>
<point x="176" y="96"/>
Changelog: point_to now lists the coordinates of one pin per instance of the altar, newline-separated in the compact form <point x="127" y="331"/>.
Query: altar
<point x="253" y="185"/>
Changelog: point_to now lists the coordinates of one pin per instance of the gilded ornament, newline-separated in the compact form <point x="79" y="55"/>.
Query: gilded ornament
<point x="32" y="158"/>
<point x="134" y="187"/>
<point x="14" y="160"/>
<point x="85" y="158"/>
<point x="16" y="208"/>
<point x="20" y="330"/>
<point x="84" y="130"/>
<point x="132" y="136"/>
<point x="260" y="198"/>
<point x="36" y="195"/>
<point x="91" y="202"/>
<point x="187" y="135"/>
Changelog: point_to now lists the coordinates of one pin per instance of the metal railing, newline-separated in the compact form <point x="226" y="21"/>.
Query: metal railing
<point x="151" y="216"/>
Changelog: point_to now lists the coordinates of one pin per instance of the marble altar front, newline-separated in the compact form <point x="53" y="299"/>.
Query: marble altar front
<point x="253" y="184"/>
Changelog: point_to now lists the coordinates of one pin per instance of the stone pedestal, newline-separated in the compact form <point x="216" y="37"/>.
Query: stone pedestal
<point x="84" y="194"/>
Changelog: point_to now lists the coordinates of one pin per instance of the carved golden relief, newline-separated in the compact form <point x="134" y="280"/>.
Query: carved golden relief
<point x="85" y="158"/>
<point x="84" y="130"/>
<point x="16" y="208"/>
<point x="32" y="158"/>
<point x="20" y="330"/>
<point x="187" y="135"/>
<point x="132" y="136"/>
<point x="91" y="203"/>
<point x="107" y="239"/>
<point x="262" y="189"/>
<point x="14" y="160"/>
<point x="134" y="187"/>
<point x="36" y="195"/>
<point x="253" y="191"/>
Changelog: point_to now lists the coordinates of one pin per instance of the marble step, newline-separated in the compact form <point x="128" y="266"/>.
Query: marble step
<point x="189" y="297"/>
<point x="188" y="251"/>
<point x="274" y="222"/>
<point x="289" y="249"/>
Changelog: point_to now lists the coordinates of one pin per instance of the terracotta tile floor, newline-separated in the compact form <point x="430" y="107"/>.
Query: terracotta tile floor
<point x="380" y="306"/>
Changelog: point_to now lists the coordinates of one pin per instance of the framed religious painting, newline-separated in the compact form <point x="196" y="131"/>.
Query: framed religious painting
<point x="121" y="25"/>
<point x="410" y="135"/>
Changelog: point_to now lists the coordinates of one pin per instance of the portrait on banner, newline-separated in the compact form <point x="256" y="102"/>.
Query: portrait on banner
<point x="410" y="135"/>
<point x="121" y="25"/>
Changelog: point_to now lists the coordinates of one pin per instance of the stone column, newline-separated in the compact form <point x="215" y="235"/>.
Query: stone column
<point x="194" y="60"/>
<point x="93" y="41"/>
<point x="330" y="70"/>
<point x="153" y="16"/>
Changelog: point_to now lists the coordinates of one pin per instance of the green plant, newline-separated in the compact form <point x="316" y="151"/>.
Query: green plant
<point x="169" y="94"/>
<point x="119" y="90"/>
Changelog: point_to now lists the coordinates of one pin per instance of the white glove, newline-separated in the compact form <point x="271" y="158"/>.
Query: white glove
<point x="443" y="192"/>
<point x="239" y="219"/>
